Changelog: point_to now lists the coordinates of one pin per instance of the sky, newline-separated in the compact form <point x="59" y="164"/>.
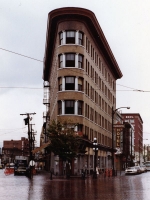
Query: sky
<point x="23" y="26"/>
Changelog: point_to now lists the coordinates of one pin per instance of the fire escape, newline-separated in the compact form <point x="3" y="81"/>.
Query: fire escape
<point x="46" y="116"/>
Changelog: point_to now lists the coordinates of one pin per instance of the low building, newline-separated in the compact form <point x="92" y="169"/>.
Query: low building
<point x="12" y="148"/>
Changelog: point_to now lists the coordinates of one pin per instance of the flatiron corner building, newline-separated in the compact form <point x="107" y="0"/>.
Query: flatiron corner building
<point x="80" y="73"/>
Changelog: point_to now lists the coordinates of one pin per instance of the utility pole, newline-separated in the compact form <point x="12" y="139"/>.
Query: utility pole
<point x="27" y="122"/>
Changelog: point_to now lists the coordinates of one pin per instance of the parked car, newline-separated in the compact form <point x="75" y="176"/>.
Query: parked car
<point x="133" y="170"/>
<point x="143" y="168"/>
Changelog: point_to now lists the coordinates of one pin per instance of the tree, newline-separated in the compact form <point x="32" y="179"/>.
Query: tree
<point x="64" y="142"/>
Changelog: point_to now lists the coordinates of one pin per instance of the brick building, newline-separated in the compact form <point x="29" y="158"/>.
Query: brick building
<point x="80" y="73"/>
<point x="12" y="148"/>
<point x="137" y="122"/>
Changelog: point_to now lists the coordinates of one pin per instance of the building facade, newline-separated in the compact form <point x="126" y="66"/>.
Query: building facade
<point x="80" y="73"/>
<point x="137" y="122"/>
<point x="12" y="148"/>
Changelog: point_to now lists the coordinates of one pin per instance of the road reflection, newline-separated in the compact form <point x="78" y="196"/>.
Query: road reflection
<point x="42" y="188"/>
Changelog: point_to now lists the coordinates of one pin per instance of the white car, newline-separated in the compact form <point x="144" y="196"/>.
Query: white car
<point x="133" y="170"/>
<point x="143" y="168"/>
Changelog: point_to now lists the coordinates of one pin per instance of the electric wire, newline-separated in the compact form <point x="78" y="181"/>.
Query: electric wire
<point x="84" y="73"/>
<point x="21" y="55"/>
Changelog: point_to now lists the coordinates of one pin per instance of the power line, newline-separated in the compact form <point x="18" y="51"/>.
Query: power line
<point x="21" y="55"/>
<point x="85" y="73"/>
<point x="21" y="88"/>
<point x="135" y="90"/>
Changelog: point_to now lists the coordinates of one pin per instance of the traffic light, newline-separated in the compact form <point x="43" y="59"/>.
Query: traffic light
<point x="26" y="121"/>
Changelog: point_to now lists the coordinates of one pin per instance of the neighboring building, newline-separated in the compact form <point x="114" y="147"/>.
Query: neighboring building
<point x="124" y="143"/>
<point x="12" y="148"/>
<point x="80" y="73"/>
<point x="137" y="122"/>
<point x="128" y="154"/>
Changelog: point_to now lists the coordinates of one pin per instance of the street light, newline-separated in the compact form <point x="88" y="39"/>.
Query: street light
<point x="95" y="157"/>
<point x="113" y="113"/>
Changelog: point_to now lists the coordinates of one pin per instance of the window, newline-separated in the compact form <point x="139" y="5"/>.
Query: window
<point x="61" y="38"/>
<point x="70" y="37"/>
<point x="91" y="114"/>
<point x="100" y="83"/>
<point x="80" y="61"/>
<point x="80" y="39"/>
<point x="87" y="45"/>
<point x="60" y="84"/>
<point x="70" y="60"/>
<point x="80" y="107"/>
<point x="80" y="83"/>
<point x="86" y="89"/>
<point x="69" y="107"/>
<point x="99" y="64"/>
<point x="59" y="107"/>
<point x="106" y="124"/>
<point x="60" y="61"/>
<point x="88" y="111"/>
<point x="100" y="101"/>
<point x="103" y="104"/>
<point x="95" y="117"/>
<point x="91" y="51"/>
<point x="91" y="134"/>
<point x="99" y="120"/>
<point x="102" y="86"/>
<point x="102" y="121"/>
<point x="85" y="110"/>
<point x="102" y="139"/>
<point x="69" y="83"/>
<point x="79" y="127"/>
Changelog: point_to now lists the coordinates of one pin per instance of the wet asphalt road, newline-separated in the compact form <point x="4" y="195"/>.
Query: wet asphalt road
<point x="135" y="187"/>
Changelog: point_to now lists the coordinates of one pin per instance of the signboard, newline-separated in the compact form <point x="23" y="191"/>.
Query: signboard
<point x="118" y="133"/>
<point x="118" y="125"/>
<point x="118" y="130"/>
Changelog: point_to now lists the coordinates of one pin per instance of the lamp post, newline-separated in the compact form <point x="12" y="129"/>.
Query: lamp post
<point x="113" y="113"/>
<point x="95" y="157"/>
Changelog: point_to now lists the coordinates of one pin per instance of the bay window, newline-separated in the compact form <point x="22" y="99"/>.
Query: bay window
<point x="70" y="60"/>
<point x="70" y="37"/>
<point x="69" y="107"/>
<point x="69" y="83"/>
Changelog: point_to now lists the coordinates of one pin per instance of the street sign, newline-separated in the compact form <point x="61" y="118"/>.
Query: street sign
<point x="32" y="163"/>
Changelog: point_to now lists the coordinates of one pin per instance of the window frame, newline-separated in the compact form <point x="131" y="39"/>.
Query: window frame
<point x="70" y="85"/>
<point x="61" y="38"/>
<point x="70" y="62"/>
<point x="80" y="40"/>
<point x="70" y="40"/>
<point x="80" y="106"/>
<point x="70" y="109"/>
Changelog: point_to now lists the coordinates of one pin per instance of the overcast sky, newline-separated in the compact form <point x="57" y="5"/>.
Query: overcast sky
<point x="23" y="23"/>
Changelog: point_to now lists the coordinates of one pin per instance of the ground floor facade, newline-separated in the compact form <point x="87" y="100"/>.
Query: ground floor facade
<point x="82" y="162"/>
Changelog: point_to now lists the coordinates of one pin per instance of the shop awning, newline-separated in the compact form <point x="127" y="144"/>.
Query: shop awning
<point x="41" y="147"/>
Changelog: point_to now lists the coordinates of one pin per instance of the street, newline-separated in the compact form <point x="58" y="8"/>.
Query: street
<point x="133" y="187"/>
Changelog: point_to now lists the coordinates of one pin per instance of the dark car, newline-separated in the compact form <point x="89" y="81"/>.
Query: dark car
<point x="20" y="170"/>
